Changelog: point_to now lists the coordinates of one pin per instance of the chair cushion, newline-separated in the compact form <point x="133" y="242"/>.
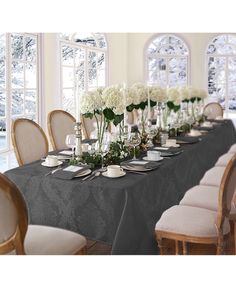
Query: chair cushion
<point x="224" y="159"/>
<point x="202" y="196"/>
<point x="44" y="240"/>
<point x="190" y="221"/>
<point x="232" y="149"/>
<point x="213" y="176"/>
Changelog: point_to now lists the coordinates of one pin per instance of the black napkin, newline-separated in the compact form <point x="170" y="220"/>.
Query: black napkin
<point x="67" y="175"/>
<point x="149" y="166"/>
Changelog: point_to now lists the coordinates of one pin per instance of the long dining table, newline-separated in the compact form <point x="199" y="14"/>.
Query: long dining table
<point x="121" y="211"/>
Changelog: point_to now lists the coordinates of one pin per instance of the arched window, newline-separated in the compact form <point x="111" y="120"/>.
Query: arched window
<point x="221" y="54"/>
<point x="19" y="81"/>
<point x="83" y="66"/>
<point x="167" y="61"/>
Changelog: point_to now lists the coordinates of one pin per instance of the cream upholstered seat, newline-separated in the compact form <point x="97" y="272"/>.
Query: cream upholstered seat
<point x="60" y="123"/>
<point x="232" y="149"/>
<point x="89" y="126"/>
<point x="29" y="141"/>
<point x="16" y="236"/>
<point x="213" y="176"/>
<point x="199" y="225"/>
<point x="224" y="159"/>
<point x="213" y="110"/>
<point x="191" y="221"/>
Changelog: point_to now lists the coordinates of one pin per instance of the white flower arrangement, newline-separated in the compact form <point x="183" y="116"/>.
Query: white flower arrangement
<point x="174" y="96"/>
<point x="139" y="93"/>
<point x="157" y="94"/>
<point x="113" y="99"/>
<point x="91" y="101"/>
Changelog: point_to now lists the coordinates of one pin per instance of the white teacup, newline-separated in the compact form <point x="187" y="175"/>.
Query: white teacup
<point x="153" y="155"/>
<point x="114" y="170"/>
<point x="51" y="160"/>
<point x="194" y="133"/>
<point x="85" y="147"/>
<point x="207" y="124"/>
<point x="170" y="142"/>
<point x="219" y="118"/>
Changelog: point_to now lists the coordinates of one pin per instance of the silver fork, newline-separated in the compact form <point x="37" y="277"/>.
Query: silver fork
<point x="53" y="171"/>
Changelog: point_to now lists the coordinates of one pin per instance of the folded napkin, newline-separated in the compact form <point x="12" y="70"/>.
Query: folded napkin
<point x="141" y="164"/>
<point x="70" y="171"/>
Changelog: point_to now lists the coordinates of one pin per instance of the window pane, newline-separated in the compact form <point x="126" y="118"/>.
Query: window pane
<point x="101" y="78"/>
<point x="101" y="61"/>
<point x="92" y="81"/>
<point x="67" y="55"/>
<point x="17" y="102"/>
<point x="79" y="56"/>
<point x="2" y="104"/>
<point x="85" y="39"/>
<point x="17" y="75"/>
<point x="3" y="134"/>
<point x="30" y="102"/>
<point x="30" y="49"/>
<point x="2" y="74"/>
<point x="2" y="46"/>
<point x="80" y="80"/>
<point x="30" y="76"/>
<point x="68" y="100"/>
<point x="92" y="60"/>
<point x="17" y="46"/>
<point x="68" y="77"/>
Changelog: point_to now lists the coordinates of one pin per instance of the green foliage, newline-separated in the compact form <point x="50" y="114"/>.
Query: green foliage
<point x="118" y="119"/>
<point x="117" y="153"/>
<point x="109" y="114"/>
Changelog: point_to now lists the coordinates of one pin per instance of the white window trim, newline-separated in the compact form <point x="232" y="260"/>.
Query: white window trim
<point x="145" y="55"/>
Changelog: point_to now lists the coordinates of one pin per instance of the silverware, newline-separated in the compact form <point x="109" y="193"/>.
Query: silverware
<point x="53" y="171"/>
<point x="89" y="176"/>
<point x="95" y="175"/>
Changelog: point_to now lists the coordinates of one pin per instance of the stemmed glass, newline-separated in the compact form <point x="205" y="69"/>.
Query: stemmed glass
<point x="134" y="140"/>
<point x="70" y="141"/>
<point x="103" y="149"/>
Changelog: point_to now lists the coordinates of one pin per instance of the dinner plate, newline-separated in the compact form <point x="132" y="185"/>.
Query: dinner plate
<point x="175" y="145"/>
<point x="138" y="168"/>
<point x="83" y="173"/>
<point x="46" y="165"/>
<point x="122" y="173"/>
<point x="146" y="158"/>
<point x="196" y="135"/>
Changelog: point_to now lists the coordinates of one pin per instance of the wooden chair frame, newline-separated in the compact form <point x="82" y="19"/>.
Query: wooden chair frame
<point x="50" y="130"/>
<point x="215" y="103"/>
<point x="222" y="213"/>
<point x="14" y="141"/>
<point x="16" y="241"/>
<point x="85" y="132"/>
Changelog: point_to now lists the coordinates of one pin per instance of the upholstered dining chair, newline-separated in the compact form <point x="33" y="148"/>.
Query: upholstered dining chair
<point x="29" y="141"/>
<point x="60" y="123"/>
<point x="213" y="110"/>
<point x="17" y="237"/>
<point x="232" y="149"/>
<point x="89" y="126"/>
<point x="199" y="225"/>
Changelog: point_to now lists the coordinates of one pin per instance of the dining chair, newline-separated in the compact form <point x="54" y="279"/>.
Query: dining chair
<point x="89" y="126"/>
<point x="212" y="110"/>
<point x="199" y="225"/>
<point x="60" y="123"/>
<point x="17" y="237"/>
<point x="204" y="196"/>
<point x="232" y="149"/>
<point x="29" y="141"/>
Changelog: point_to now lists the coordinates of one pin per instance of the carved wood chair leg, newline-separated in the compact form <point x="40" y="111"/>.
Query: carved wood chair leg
<point x="177" y="247"/>
<point x="185" y="248"/>
<point x="82" y="251"/>
<point x="160" y="245"/>
<point x="235" y="237"/>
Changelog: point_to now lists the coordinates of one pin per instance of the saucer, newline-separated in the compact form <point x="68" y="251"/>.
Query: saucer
<point x="83" y="173"/>
<point x="146" y="158"/>
<point x="122" y="173"/>
<point x="196" y="134"/>
<point x="172" y="145"/>
<point x="55" y="165"/>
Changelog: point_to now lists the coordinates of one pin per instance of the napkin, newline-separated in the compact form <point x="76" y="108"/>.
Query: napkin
<point x="70" y="171"/>
<point x="139" y="163"/>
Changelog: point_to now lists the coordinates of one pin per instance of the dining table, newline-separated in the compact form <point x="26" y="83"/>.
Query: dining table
<point x="121" y="211"/>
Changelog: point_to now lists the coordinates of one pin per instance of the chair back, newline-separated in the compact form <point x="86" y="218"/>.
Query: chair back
<point x="226" y="192"/>
<point x="60" y="123"/>
<point x="13" y="217"/>
<point x="212" y="110"/>
<point x="90" y="125"/>
<point x="29" y="141"/>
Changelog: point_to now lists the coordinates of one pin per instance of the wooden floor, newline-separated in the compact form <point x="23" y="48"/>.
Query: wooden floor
<point x="99" y="248"/>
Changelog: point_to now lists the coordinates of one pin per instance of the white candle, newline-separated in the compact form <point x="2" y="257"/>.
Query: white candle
<point x="124" y="101"/>
<point x="149" y="105"/>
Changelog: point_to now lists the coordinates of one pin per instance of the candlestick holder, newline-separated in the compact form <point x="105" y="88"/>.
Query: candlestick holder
<point x="78" y="140"/>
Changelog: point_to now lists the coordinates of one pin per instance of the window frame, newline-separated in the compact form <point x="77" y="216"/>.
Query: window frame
<point x="8" y="85"/>
<point x="146" y="70"/>
<point x="86" y="48"/>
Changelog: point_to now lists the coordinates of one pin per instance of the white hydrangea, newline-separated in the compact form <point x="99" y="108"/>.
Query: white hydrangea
<point x="91" y="101"/>
<point x="195" y="92"/>
<point x="157" y="94"/>
<point x="140" y="93"/>
<point x="203" y="94"/>
<point x="114" y="99"/>
<point x="185" y="92"/>
<point x="174" y="96"/>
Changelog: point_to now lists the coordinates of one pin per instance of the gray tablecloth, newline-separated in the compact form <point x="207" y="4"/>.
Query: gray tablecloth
<point x="121" y="211"/>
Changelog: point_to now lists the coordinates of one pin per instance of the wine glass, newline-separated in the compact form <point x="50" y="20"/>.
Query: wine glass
<point x="70" y="141"/>
<point x="134" y="140"/>
<point x="103" y="148"/>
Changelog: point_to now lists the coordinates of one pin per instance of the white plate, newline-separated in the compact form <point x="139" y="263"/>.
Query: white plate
<point x="46" y="165"/>
<point x="122" y="173"/>
<point x="169" y="146"/>
<point x="83" y="173"/>
<point x="196" y="135"/>
<point x="146" y="158"/>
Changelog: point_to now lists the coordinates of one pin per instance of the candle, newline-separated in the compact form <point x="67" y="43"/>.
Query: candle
<point x="149" y="104"/>
<point x="124" y="101"/>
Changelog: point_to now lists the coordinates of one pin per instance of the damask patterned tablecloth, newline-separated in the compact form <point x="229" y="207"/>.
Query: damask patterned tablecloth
<point x="121" y="211"/>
